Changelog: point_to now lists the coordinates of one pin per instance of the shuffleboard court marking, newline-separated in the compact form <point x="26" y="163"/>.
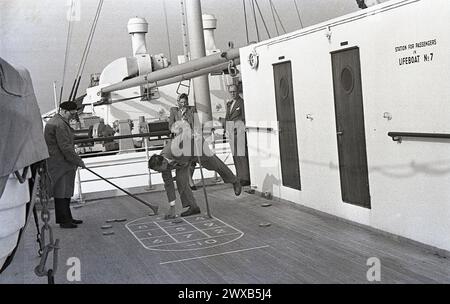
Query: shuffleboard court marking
<point x="212" y="255"/>
<point x="192" y="233"/>
<point x="166" y="232"/>
<point x="205" y="238"/>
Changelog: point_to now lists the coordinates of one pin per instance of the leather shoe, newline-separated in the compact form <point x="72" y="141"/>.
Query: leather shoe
<point x="191" y="211"/>
<point x="68" y="225"/>
<point x="237" y="188"/>
<point x="77" y="221"/>
<point x="170" y="215"/>
<point x="193" y="188"/>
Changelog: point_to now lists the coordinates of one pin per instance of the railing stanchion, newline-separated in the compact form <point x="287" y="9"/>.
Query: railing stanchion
<point x="150" y="186"/>
<point x="80" y="191"/>
<point x="213" y="134"/>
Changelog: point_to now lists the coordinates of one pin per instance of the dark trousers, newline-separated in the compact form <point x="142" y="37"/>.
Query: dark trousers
<point x="62" y="192"/>
<point x="63" y="215"/>
<point x="212" y="163"/>
<point x="238" y="145"/>
<point x="182" y="179"/>
<point x="241" y="165"/>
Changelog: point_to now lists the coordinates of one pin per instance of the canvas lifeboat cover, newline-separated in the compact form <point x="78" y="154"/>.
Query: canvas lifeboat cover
<point x="22" y="139"/>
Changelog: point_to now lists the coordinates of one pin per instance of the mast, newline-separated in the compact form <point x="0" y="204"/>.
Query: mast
<point x="184" y="33"/>
<point x="197" y="48"/>
<point x="173" y="71"/>
<point x="55" y="97"/>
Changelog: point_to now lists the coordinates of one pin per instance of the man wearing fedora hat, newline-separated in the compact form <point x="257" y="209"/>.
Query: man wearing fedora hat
<point x="63" y="162"/>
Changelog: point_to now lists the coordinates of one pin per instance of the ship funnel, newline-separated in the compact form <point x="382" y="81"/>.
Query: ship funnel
<point x="137" y="28"/>
<point x="209" y="25"/>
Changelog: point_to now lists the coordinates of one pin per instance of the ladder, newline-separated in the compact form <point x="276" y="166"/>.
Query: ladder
<point x="182" y="84"/>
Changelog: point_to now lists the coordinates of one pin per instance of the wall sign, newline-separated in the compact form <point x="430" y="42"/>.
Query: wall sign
<point x="416" y="53"/>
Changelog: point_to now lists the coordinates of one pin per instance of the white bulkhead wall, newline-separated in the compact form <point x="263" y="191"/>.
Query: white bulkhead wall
<point x="409" y="181"/>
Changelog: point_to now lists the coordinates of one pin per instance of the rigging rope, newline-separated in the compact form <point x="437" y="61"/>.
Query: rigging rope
<point x="273" y="17"/>
<point x="68" y="39"/>
<point x="167" y="29"/>
<point x="245" y="19"/>
<point x="278" y="16"/>
<point x="262" y="18"/>
<point x="99" y="9"/>
<point x="256" y="21"/>
<point x="298" y="13"/>
<point x="86" y="50"/>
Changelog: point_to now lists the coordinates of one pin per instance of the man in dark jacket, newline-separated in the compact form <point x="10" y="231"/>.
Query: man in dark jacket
<point x="63" y="162"/>
<point x="234" y="124"/>
<point x="182" y="113"/>
<point x="182" y="117"/>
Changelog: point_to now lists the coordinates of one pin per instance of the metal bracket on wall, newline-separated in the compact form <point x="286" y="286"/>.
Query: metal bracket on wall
<point x="257" y="129"/>
<point x="398" y="136"/>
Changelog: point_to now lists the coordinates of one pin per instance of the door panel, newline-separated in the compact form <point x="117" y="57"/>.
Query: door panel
<point x="350" y="129"/>
<point x="284" y="96"/>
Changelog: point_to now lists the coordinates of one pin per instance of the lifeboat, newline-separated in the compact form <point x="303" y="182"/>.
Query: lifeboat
<point x="21" y="146"/>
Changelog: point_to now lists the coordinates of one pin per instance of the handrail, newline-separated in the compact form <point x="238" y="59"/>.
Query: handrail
<point x="133" y="175"/>
<point x="152" y="134"/>
<point x="108" y="138"/>
<point x="247" y="128"/>
<point x="397" y="136"/>
<point x="118" y="164"/>
<point x="114" y="177"/>
<point x="260" y="129"/>
<point x="223" y="139"/>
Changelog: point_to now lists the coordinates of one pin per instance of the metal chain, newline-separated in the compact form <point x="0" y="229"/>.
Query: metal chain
<point x="52" y="245"/>
<point x="38" y="231"/>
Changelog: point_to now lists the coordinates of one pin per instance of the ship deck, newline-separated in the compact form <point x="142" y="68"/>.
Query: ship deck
<point x="300" y="246"/>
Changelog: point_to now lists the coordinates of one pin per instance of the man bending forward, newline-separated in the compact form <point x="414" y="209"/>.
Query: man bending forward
<point x="175" y="156"/>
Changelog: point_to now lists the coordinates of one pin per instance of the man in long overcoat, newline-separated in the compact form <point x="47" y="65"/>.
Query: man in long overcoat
<point x="63" y="162"/>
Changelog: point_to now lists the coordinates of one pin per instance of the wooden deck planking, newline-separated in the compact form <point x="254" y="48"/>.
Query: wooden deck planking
<point x="345" y="236"/>
<point x="303" y="247"/>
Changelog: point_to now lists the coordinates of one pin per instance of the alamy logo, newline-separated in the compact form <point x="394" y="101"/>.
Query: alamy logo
<point x="374" y="272"/>
<point x="74" y="271"/>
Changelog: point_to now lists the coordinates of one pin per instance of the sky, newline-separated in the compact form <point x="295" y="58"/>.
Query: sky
<point x="33" y="33"/>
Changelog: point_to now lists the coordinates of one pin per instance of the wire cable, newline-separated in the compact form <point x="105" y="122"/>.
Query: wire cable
<point x="167" y="29"/>
<point x="279" y="19"/>
<point x="298" y="13"/>
<point x="245" y="19"/>
<point x="256" y="21"/>
<point x="76" y="82"/>
<point x="273" y="17"/>
<point x="86" y="52"/>
<point x="87" y="41"/>
<point x="262" y="18"/>
<point x="92" y="36"/>
<point x="68" y="40"/>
